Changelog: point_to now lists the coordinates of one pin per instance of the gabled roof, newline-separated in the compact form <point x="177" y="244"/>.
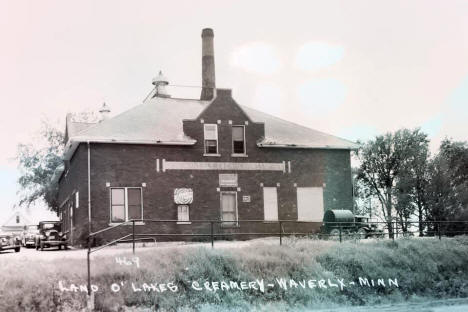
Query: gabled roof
<point x="159" y="120"/>
<point x="11" y="221"/>
<point x="156" y="120"/>
<point x="283" y="133"/>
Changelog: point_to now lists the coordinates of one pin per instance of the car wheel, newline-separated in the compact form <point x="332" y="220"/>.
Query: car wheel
<point x="17" y="249"/>
<point x="65" y="247"/>
<point x="60" y="247"/>
<point x="361" y="233"/>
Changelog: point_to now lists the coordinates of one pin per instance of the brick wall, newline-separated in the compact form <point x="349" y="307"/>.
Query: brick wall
<point x="131" y="165"/>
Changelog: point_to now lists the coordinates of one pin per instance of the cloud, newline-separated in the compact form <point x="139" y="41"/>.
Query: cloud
<point x="321" y="96"/>
<point x="317" y="55"/>
<point x="257" y="57"/>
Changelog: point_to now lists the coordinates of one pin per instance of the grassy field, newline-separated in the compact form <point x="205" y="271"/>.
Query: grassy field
<point x="426" y="269"/>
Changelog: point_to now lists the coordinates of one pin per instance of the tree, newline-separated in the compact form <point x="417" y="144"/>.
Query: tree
<point x="447" y="190"/>
<point x="412" y="183"/>
<point x="385" y="162"/>
<point x="37" y="164"/>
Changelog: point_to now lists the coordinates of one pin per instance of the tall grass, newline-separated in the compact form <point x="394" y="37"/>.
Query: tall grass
<point x="425" y="269"/>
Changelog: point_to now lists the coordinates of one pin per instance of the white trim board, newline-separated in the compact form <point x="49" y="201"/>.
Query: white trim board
<point x="193" y="165"/>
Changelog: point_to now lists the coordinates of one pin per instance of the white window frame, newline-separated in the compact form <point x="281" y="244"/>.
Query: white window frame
<point x="179" y="221"/>
<point x="225" y="224"/>
<point x="245" y="143"/>
<point x="205" y="139"/>
<point x="125" y="204"/>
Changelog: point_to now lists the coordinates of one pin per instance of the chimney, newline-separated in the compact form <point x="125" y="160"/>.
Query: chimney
<point x="208" y="66"/>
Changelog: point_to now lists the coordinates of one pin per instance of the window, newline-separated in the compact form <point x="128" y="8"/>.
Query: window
<point x="238" y="139"/>
<point x="229" y="208"/>
<point x="183" y="214"/>
<point x="211" y="138"/>
<point x="270" y="203"/>
<point x="126" y="204"/>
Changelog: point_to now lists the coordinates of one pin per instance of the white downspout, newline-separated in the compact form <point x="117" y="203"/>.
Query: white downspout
<point x="89" y="189"/>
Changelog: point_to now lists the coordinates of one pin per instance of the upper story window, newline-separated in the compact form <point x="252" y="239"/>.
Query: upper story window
<point x="238" y="139"/>
<point x="126" y="204"/>
<point x="211" y="138"/>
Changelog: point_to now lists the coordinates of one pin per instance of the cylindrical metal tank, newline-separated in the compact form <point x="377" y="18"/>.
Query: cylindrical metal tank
<point x="338" y="216"/>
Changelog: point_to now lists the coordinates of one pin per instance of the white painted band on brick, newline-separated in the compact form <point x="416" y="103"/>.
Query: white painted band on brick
<point x="284" y="166"/>
<point x="163" y="165"/>
<point x="193" y="165"/>
<point x="157" y="165"/>
<point x="289" y="166"/>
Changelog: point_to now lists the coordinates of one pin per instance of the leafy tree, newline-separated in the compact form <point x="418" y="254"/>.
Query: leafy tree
<point x="385" y="163"/>
<point x="37" y="164"/>
<point x="447" y="190"/>
<point x="412" y="183"/>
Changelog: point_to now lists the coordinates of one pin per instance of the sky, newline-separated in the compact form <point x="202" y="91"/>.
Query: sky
<point x="354" y="69"/>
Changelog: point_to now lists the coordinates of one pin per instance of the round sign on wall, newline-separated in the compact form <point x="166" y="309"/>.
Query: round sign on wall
<point x="183" y="196"/>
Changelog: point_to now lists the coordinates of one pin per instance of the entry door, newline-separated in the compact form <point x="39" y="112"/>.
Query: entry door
<point x="310" y="204"/>
<point x="229" y="208"/>
<point x="270" y="203"/>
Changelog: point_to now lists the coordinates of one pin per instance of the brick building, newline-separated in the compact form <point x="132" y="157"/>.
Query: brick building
<point x="207" y="159"/>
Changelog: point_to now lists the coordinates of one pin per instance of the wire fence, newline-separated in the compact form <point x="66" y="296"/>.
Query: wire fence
<point x="212" y="230"/>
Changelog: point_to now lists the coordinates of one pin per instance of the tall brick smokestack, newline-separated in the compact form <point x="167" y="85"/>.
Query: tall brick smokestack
<point x="208" y="66"/>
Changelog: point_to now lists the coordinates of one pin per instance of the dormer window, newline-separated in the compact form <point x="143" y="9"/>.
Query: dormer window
<point x="211" y="139"/>
<point x="238" y="140"/>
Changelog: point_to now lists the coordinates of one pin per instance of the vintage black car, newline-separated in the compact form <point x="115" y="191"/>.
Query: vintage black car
<point x="9" y="241"/>
<point x="28" y="237"/>
<point x="51" y="235"/>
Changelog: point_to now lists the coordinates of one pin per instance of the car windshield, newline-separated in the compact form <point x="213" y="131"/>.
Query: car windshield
<point x="32" y="229"/>
<point x="48" y="226"/>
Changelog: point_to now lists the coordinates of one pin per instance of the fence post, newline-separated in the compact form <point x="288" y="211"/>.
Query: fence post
<point x="340" y="233"/>
<point x="89" y="266"/>
<point x="212" y="236"/>
<point x="281" y="233"/>
<point x="133" y="236"/>
<point x="438" y="230"/>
